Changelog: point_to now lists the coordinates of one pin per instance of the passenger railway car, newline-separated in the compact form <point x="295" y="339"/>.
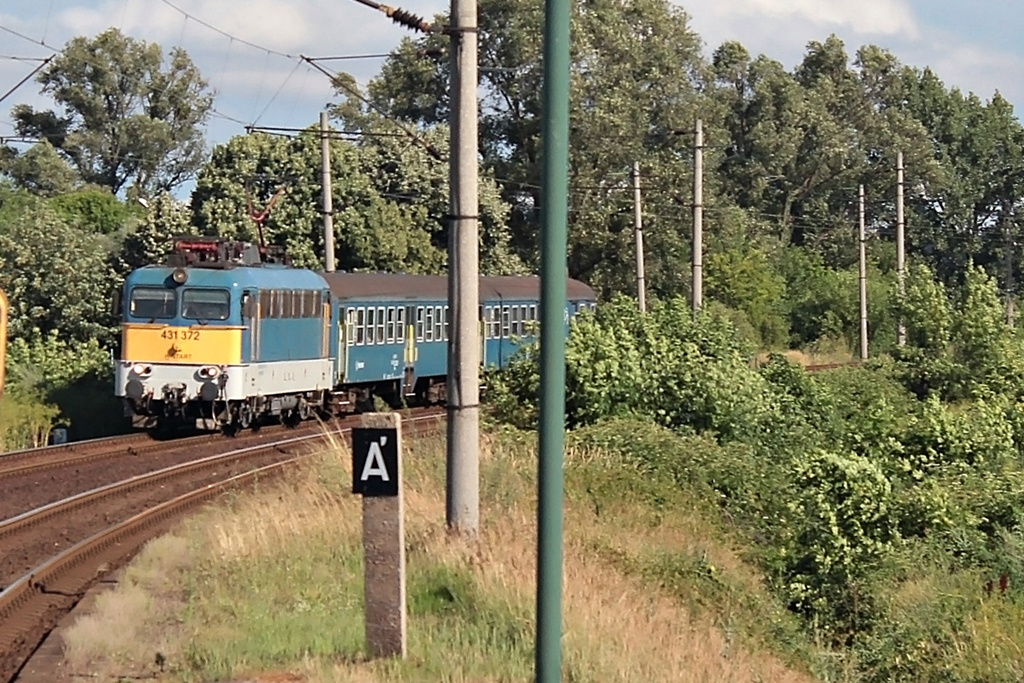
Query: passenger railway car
<point x="226" y="335"/>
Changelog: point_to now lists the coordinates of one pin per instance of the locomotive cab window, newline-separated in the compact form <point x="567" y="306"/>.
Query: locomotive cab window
<point x="152" y="302"/>
<point x="206" y="304"/>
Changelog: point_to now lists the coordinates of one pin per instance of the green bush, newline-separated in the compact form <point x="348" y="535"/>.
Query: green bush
<point x="25" y="421"/>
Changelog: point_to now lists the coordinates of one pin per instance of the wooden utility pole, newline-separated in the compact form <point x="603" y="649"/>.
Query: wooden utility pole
<point x="901" y="331"/>
<point x="698" y="216"/>
<point x="325" y="160"/>
<point x="863" y="277"/>
<point x="463" y="461"/>
<point x="638" y="231"/>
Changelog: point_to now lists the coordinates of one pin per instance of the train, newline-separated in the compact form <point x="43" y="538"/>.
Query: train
<point x="229" y="335"/>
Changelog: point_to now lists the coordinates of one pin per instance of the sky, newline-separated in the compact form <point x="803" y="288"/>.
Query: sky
<point x="250" y="50"/>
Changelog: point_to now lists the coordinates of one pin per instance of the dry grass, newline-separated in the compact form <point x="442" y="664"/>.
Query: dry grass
<point x="129" y="626"/>
<point x="617" y="626"/>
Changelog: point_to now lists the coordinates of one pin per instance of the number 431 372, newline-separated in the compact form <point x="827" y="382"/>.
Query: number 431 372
<point x="182" y="335"/>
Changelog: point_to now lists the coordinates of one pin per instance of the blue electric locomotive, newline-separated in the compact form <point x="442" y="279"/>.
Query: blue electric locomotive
<point x="226" y="335"/>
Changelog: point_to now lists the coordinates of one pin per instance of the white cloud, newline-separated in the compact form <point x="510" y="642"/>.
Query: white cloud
<point x="870" y="17"/>
<point x="781" y="29"/>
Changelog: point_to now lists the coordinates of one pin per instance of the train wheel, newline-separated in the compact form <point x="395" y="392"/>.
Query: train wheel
<point x="243" y="417"/>
<point x="303" y="410"/>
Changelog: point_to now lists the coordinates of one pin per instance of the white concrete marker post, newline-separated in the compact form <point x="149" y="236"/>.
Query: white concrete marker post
<point x="377" y="476"/>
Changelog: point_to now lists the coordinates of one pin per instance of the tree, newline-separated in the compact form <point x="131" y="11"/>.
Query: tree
<point x="390" y="201"/>
<point x="150" y="241"/>
<point x="124" y="115"/>
<point x="636" y="76"/>
<point x="57" y="278"/>
<point x="40" y="170"/>
<point x="799" y="143"/>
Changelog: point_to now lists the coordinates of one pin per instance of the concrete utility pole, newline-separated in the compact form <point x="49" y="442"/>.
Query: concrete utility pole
<point x="901" y="332"/>
<point x="325" y="157"/>
<point x="698" y="216"/>
<point x="463" y="481"/>
<point x="4" y="307"/>
<point x="638" y="230"/>
<point x="863" y="277"/>
<point x="1011" y="312"/>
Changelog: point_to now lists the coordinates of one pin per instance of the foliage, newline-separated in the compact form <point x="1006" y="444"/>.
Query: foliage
<point x="40" y="170"/>
<point x="957" y="345"/>
<point x="25" y="420"/>
<point x="635" y="78"/>
<point x="49" y="362"/>
<point x="744" y="279"/>
<point x="124" y="115"/>
<point x="390" y="202"/>
<point x="57" y="278"/>
<point x="92" y="211"/>
<point x="150" y="240"/>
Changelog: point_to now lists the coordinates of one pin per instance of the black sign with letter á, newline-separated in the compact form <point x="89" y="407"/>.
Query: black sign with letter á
<point x="375" y="461"/>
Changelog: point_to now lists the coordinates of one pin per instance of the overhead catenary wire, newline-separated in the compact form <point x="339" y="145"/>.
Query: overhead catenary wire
<point x="365" y="100"/>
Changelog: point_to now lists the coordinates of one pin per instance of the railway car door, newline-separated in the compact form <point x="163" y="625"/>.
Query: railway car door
<point x="251" y="320"/>
<point x="410" y="352"/>
<point x="346" y="333"/>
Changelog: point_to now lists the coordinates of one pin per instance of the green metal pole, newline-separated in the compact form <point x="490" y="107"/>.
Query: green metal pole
<point x="554" y="214"/>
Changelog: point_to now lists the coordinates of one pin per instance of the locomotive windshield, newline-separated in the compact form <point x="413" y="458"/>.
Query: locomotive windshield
<point x="206" y="304"/>
<point x="152" y="302"/>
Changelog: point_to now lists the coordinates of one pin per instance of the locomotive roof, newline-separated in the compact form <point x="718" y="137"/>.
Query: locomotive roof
<point x="243" y="276"/>
<point x="406" y="286"/>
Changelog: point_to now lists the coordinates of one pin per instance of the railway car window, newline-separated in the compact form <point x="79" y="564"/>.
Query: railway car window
<point x="206" y="304"/>
<point x="287" y="303"/>
<point x="381" y="325"/>
<point x="443" y="317"/>
<point x="505" y="321"/>
<point x="350" y="326"/>
<point x="438" y="323"/>
<point x="391" y="325"/>
<point x="371" y="323"/>
<point x="400" y="324"/>
<point x="264" y="303"/>
<point x="428" y="325"/>
<point x="152" y="302"/>
<point x="495" y="322"/>
<point x="419" y="323"/>
<point x="360" y="326"/>
<point x="275" y="304"/>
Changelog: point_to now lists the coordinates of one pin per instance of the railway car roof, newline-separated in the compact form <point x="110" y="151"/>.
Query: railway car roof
<point x="435" y="287"/>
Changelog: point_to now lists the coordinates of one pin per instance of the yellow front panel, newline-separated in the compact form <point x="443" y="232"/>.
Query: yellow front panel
<point x="201" y="344"/>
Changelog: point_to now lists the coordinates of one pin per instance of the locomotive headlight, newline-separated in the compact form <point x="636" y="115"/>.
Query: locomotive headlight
<point x="209" y="372"/>
<point x="141" y="370"/>
<point x="180" y="276"/>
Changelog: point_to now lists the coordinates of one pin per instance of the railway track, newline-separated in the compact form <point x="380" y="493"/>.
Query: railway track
<point x="50" y="555"/>
<point x="20" y="463"/>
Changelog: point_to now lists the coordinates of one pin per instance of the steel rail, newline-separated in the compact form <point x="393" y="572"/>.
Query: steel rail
<point x="64" y="578"/>
<point x="118" y="449"/>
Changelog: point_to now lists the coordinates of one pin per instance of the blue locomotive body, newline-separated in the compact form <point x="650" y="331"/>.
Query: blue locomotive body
<point x="224" y="338"/>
